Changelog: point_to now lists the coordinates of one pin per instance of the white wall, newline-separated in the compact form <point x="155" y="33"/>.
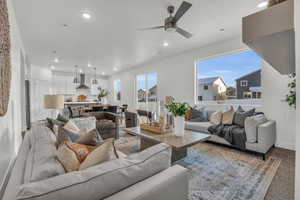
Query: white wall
<point x="297" y="24"/>
<point x="11" y="123"/>
<point x="176" y="77"/>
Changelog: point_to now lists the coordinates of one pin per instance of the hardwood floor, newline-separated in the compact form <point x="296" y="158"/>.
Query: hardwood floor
<point x="283" y="184"/>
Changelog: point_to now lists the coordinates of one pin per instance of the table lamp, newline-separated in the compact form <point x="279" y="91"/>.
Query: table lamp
<point x="55" y="102"/>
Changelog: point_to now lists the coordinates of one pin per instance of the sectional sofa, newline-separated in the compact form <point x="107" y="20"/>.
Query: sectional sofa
<point x="147" y="175"/>
<point x="264" y="141"/>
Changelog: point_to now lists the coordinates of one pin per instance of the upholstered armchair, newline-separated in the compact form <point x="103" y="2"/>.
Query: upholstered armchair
<point x="106" y="123"/>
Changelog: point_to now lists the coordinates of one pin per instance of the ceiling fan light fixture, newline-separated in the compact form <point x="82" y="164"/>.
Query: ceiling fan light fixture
<point x="171" y="29"/>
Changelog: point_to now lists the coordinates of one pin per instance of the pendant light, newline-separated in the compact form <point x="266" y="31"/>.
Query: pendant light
<point x="95" y="81"/>
<point x="76" y="79"/>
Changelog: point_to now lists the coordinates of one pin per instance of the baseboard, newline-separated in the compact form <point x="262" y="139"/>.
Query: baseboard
<point x="287" y="146"/>
<point x="7" y="176"/>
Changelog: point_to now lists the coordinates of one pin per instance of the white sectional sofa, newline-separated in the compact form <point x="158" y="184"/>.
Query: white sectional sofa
<point x="148" y="175"/>
<point x="266" y="135"/>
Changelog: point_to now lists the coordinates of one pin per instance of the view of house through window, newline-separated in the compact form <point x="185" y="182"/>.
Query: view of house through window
<point x="146" y="89"/>
<point x="117" y="90"/>
<point x="230" y="79"/>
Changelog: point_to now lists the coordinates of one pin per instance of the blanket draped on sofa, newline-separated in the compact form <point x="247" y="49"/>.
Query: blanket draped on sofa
<point x="234" y="134"/>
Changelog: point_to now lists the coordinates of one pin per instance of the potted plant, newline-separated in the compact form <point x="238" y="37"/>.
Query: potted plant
<point x="102" y="93"/>
<point x="178" y="109"/>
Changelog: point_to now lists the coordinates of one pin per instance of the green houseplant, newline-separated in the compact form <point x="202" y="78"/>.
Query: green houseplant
<point x="291" y="96"/>
<point x="102" y="93"/>
<point x="178" y="109"/>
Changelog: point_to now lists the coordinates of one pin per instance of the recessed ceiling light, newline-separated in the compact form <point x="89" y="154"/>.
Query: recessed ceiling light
<point x="86" y="15"/>
<point x="115" y="69"/>
<point x="166" y="44"/>
<point x="52" y="67"/>
<point x="89" y="65"/>
<point x="263" y="4"/>
<point x="80" y="71"/>
<point x="103" y="73"/>
<point x="56" y="60"/>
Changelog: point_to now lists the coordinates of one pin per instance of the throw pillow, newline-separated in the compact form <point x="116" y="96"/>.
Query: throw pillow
<point x="68" y="158"/>
<point x="104" y="152"/>
<point x="251" y="124"/>
<point x="188" y="115"/>
<point x="216" y="117"/>
<point x="52" y="122"/>
<point x="71" y="126"/>
<point x="201" y="114"/>
<point x="61" y="118"/>
<point x="80" y="150"/>
<point x="61" y="137"/>
<point x="89" y="138"/>
<point x="240" y="116"/>
<point x="228" y="116"/>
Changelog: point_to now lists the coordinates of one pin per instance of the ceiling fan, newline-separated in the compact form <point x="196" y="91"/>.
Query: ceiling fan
<point x="171" y="21"/>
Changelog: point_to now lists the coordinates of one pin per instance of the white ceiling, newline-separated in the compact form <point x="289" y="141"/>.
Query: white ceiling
<point x="110" y="38"/>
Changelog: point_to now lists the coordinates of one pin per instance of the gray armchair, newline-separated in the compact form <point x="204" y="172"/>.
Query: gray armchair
<point x="106" y="123"/>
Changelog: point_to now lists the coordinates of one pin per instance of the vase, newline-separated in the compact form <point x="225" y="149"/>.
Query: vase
<point x="179" y="126"/>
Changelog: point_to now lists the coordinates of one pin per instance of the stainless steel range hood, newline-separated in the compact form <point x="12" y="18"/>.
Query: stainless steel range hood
<point x="82" y="85"/>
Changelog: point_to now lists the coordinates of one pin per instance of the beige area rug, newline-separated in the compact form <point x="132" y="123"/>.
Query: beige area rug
<point x="220" y="173"/>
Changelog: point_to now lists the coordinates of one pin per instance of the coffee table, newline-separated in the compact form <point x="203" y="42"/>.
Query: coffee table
<point x="179" y="144"/>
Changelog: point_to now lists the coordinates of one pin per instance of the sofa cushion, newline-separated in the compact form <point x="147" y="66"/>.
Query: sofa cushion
<point x="88" y="123"/>
<point x="228" y="115"/>
<point x="102" y="180"/>
<point x="198" y="126"/>
<point x="199" y="114"/>
<point x="89" y="138"/>
<point x="71" y="126"/>
<point x="45" y="164"/>
<point x="240" y="116"/>
<point x="104" y="152"/>
<point x="216" y="117"/>
<point x="251" y="125"/>
<point x="68" y="158"/>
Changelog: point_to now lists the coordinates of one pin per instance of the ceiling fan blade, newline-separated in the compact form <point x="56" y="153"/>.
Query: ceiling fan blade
<point x="184" y="33"/>
<point x="185" y="6"/>
<point x="151" y="28"/>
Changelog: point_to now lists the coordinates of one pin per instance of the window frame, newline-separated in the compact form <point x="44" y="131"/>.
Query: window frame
<point x="199" y="59"/>
<point x="116" y="92"/>
<point x="146" y="88"/>
<point x="243" y="81"/>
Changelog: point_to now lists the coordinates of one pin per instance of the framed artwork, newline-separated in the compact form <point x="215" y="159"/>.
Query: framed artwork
<point x="5" y="64"/>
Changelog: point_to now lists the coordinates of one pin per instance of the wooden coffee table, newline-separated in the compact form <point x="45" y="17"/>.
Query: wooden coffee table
<point x="179" y="144"/>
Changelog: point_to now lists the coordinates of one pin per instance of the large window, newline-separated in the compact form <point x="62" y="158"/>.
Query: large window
<point x="117" y="90"/>
<point x="146" y="90"/>
<point x="230" y="79"/>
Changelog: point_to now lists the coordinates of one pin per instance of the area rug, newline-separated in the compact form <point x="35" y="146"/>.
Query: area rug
<point x="220" y="173"/>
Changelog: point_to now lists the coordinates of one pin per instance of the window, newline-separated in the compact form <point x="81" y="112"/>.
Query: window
<point x="233" y="78"/>
<point x="244" y="83"/>
<point x="146" y="89"/>
<point x="117" y="90"/>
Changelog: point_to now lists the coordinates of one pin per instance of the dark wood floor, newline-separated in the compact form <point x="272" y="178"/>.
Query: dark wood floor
<point x="283" y="184"/>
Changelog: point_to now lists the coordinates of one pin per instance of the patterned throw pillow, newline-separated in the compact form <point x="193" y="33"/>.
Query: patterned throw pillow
<point x="80" y="150"/>
<point x="104" y="152"/>
<point x="216" y="117"/>
<point x="67" y="158"/>
<point x="228" y="116"/>
<point x="79" y="157"/>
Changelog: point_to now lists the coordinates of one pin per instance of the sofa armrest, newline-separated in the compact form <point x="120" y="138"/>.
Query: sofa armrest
<point x="266" y="134"/>
<point x="170" y="184"/>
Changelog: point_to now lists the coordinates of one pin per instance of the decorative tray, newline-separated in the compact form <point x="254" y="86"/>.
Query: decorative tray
<point x="155" y="128"/>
